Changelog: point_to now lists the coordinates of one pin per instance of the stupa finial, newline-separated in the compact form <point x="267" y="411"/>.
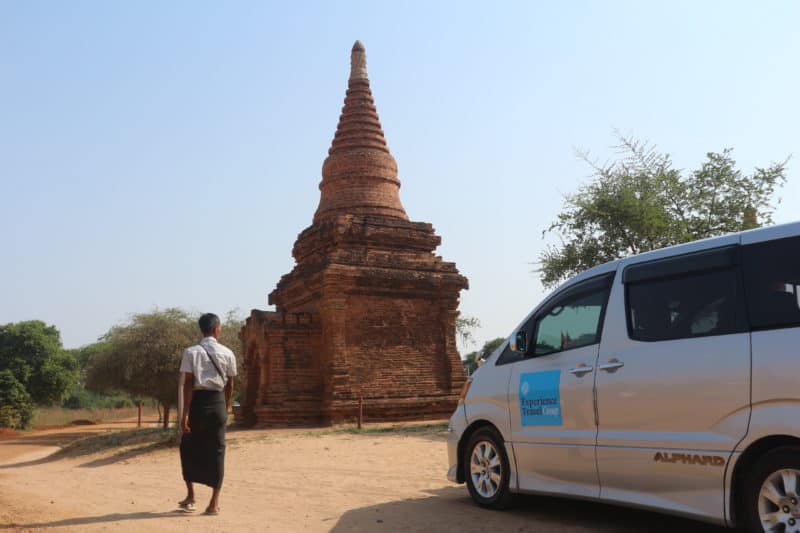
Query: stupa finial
<point x="358" y="62"/>
<point x="359" y="176"/>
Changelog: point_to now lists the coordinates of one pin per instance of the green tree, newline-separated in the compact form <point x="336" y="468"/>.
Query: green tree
<point x="143" y="357"/>
<point x="16" y="407"/>
<point x="640" y="203"/>
<point x="464" y="327"/>
<point x="32" y="352"/>
<point x="79" y="397"/>
<point x="85" y="353"/>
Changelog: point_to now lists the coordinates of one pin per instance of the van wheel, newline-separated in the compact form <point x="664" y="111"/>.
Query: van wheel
<point x="486" y="469"/>
<point x="771" y="493"/>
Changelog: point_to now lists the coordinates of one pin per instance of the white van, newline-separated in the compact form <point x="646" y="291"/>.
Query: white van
<point x="669" y="381"/>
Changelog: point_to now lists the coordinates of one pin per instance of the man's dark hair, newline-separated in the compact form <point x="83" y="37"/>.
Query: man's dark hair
<point x="208" y="322"/>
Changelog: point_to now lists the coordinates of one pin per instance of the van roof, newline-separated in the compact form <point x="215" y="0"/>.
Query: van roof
<point x="766" y="233"/>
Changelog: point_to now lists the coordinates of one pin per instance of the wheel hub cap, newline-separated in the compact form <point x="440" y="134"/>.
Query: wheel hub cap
<point x="486" y="470"/>
<point x="777" y="502"/>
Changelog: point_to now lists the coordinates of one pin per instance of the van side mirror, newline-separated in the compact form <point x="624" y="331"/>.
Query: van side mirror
<point x="520" y="343"/>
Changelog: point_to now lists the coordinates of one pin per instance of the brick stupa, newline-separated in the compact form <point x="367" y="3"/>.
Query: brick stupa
<point x="369" y="310"/>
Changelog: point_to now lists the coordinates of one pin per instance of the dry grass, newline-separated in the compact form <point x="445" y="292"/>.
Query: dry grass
<point x="58" y="416"/>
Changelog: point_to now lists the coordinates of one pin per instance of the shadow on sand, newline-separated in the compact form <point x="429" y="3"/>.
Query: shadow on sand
<point x="124" y="455"/>
<point x="86" y="520"/>
<point x="48" y="439"/>
<point x="454" y="511"/>
<point x="63" y="439"/>
<point x="67" y="445"/>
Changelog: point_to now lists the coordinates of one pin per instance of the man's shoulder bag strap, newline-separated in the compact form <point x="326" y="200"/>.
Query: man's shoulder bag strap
<point x="216" y="366"/>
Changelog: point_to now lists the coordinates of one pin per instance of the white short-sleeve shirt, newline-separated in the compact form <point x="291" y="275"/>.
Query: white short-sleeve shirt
<point x="197" y="362"/>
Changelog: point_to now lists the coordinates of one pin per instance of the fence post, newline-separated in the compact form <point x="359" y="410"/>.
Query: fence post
<point x="360" y="410"/>
<point x="139" y="421"/>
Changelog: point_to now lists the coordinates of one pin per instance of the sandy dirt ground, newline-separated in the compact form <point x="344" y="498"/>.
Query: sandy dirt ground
<point x="283" y="481"/>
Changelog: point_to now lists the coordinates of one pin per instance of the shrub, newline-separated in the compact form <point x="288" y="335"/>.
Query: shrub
<point x="82" y="398"/>
<point x="16" y="407"/>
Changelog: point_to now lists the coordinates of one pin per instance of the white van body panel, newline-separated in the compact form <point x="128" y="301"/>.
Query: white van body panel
<point x="487" y="401"/>
<point x="671" y="404"/>
<point x="686" y="396"/>
<point x="558" y="459"/>
<point x="775" y="365"/>
<point x="776" y="393"/>
<point x="488" y="398"/>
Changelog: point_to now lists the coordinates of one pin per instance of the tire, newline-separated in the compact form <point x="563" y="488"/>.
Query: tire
<point x="488" y="485"/>
<point x="766" y="492"/>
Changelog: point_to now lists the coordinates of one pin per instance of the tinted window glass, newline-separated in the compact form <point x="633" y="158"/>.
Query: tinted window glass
<point x="772" y="283"/>
<point x="675" y="266"/>
<point x="688" y="306"/>
<point x="571" y="323"/>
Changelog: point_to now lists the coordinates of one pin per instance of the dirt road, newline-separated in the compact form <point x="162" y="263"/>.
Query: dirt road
<point x="283" y="481"/>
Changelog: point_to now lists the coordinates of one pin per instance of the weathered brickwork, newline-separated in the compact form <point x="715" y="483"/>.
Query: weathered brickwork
<point x="369" y="310"/>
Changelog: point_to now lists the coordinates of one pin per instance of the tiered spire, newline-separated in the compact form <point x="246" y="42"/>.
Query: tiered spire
<point x="359" y="176"/>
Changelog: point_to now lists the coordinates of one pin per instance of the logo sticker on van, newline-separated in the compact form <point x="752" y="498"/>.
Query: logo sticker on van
<point x="540" y="398"/>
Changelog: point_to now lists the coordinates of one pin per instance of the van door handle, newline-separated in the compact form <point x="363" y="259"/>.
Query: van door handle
<point x="612" y="365"/>
<point x="581" y="369"/>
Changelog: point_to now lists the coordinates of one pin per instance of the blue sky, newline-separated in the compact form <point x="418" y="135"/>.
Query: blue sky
<point x="158" y="154"/>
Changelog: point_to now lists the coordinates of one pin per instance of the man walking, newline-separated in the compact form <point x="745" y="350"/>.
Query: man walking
<point x="208" y="368"/>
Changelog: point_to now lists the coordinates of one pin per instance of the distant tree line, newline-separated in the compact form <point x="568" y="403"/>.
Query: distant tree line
<point x="134" y="360"/>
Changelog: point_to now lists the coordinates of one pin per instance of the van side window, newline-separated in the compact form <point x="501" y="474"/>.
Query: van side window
<point x="508" y="356"/>
<point x="572" y="322"/>
<point x="772" y="283"/>
<point x="691" y="305"/>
